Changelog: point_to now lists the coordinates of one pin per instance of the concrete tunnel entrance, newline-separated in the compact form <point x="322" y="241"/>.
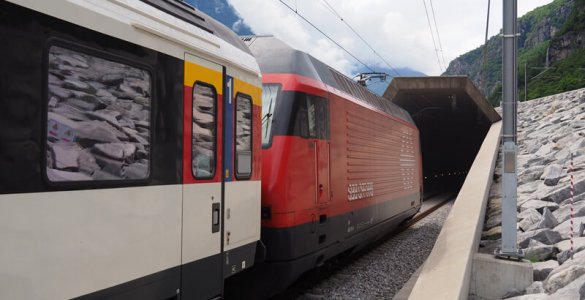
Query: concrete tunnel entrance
<point x="453" y="118"/>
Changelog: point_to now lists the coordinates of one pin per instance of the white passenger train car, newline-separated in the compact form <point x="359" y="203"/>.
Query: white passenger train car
<point x="129" y="151"/>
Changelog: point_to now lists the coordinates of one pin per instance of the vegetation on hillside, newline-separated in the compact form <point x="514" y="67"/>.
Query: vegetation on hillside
<point x="565" y="75"/>
<point x="558" y="28"/>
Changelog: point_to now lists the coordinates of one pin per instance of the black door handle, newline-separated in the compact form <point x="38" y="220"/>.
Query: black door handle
<point x="215" y="217"/>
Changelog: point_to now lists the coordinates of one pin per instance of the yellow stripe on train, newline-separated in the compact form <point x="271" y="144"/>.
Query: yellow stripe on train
<point x="248" y="89"/>
<point x="194" y="72"/>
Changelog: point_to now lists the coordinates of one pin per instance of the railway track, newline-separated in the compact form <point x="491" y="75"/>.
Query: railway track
<point x="374" y="271"/>
<point x="379" y="270"/>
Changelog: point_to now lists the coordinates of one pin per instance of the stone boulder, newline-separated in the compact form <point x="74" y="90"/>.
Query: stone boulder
<point x="576" y="198"/>
<point x="564" y="229"/>
<point x="545" y="236"/>
<point x="578" y="244"/>
<point x="531" y="174"/>
<point x="513" y="293"/>
<point x="542" y="269"/>
<point x="564" y="212"/>
<point x="496" y="190"/>
<point x="492" y="234"/>
<point x="537" y="251"/>
<point x="527" y="188"/>
<point x="552" y="174"/>
<point x="547" y="221"/>
<point x="574" y="290"/>
<point x="535" y="288"/>
<point x="532" y="297"/>
<point x="529" y="217"/>
<point x="539" y="205"/>
<point x="560" y="194"/>
<point x="564" y="248"/>
<point x="565" y="273"/>
<point x="493" y="221"/>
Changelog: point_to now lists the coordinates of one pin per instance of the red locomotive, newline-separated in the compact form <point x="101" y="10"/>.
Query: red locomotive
<point x="341" y="166"/>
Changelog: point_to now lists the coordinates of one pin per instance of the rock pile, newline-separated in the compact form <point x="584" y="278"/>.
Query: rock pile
<point x="98" y="124"/>
<point x="551" y="130"/>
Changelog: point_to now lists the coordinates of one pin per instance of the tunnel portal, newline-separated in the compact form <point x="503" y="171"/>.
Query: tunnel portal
<point x="453" y="118"/>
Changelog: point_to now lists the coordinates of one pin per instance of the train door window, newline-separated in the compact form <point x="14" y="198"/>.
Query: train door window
<point x="243" y="137"/>
<point x="318" y="117"/>
<point x="299" y="116"/>
<point x="311" y="117"/>
<point x="322" y="116"/>
<point x="204" y="131"/>
<point x="98" y="118"/>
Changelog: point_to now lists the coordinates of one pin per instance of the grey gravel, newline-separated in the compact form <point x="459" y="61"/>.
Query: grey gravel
<point x="381" y="272"/>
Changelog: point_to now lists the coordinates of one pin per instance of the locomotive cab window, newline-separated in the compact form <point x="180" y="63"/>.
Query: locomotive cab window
<point x="98" y="118"/>
<point x="243" y="137"/>
<point x="204" y="131"/>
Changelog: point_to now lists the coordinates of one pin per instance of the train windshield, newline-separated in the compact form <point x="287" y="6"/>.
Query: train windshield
<point x="270" y="94"/>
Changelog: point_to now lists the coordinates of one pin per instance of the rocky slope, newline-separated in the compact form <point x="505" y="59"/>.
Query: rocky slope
<point x="550" y="129"/>
<point x="548" y="35"/>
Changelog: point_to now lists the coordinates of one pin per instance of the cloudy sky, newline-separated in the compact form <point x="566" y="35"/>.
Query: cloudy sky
<point x="397" y="29"/>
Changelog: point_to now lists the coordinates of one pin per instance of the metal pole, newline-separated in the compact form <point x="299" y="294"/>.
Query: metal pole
<point x="510" y="89"/>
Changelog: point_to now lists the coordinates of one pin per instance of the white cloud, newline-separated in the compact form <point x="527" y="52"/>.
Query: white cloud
<point x="397" y="29"/>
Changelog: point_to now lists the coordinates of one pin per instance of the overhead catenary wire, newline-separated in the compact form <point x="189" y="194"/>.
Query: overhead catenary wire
<point x="438" y="35"/>
<point x="334" y="12"/>
<point x="432" y="35"/>
<point x="327" y="36"/>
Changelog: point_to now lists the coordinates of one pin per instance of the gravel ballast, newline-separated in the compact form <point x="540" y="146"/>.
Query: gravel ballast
<point x="381" y="272"/>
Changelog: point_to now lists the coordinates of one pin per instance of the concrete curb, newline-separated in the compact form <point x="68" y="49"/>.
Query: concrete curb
<point x="446" y="273"/>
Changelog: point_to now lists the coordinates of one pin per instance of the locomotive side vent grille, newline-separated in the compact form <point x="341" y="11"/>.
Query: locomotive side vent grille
<point x="381" y="157"/>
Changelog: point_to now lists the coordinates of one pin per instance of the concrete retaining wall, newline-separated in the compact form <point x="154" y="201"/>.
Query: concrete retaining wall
<point x="447" y="272"/>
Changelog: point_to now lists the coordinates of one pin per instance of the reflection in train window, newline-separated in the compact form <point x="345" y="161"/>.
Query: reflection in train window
<point x="98" y="120"/>
<point x="204" y="131"/>
<point x="243" y="136"/>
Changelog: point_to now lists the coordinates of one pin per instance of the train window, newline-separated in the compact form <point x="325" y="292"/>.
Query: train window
<point x="317" y="116"/>
<point x="300" y="116"/>
<point x="311" y="117"/>
<point x="243" y="136"/>
<point x="204" y="131"/>
<point x="98" y="118"/>
<point x="270" y="93"/>
<point x="322" y="118"/>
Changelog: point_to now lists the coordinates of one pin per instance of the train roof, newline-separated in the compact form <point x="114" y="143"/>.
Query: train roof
<point x="276" y="57"/>
<point x="171" y="27"/>
<point x="184" y="11"/>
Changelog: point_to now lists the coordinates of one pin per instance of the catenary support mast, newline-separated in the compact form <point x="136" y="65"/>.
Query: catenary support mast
<point x="509" y="148"/>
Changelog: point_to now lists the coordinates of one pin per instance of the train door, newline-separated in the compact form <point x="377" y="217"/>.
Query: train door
<point x="241" y="170"/>
<point x="202" y="249"/>
<point x="318" y="121"/>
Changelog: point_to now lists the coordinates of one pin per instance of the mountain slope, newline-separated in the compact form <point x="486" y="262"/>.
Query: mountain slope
<point x="546" y="39"/>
